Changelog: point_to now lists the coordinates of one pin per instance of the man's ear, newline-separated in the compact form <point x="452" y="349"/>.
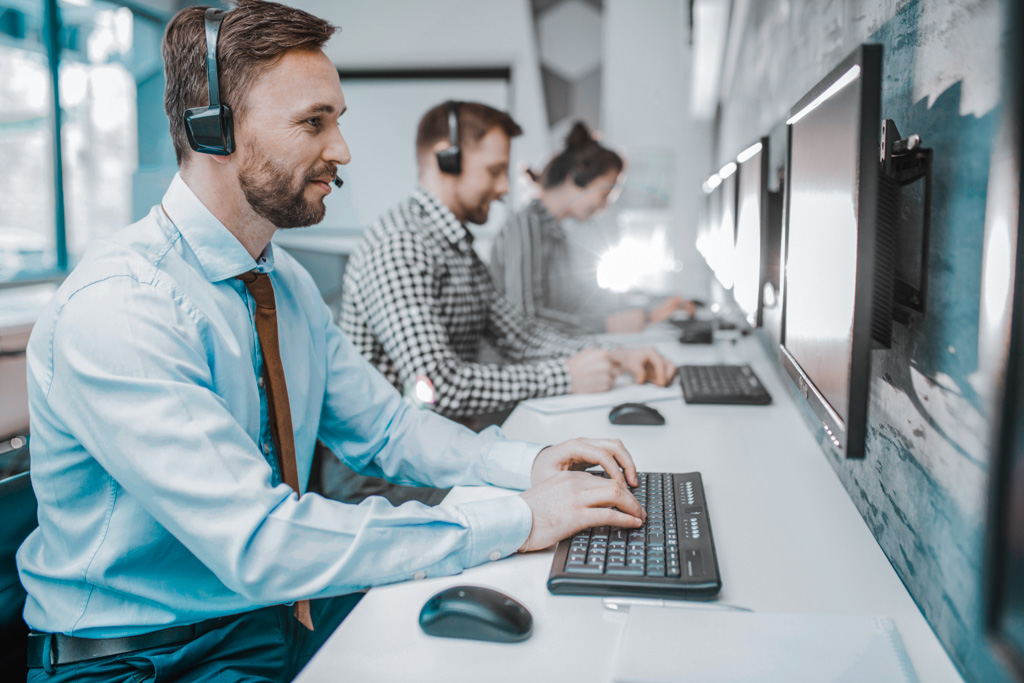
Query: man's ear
<point x="439" y="146"/>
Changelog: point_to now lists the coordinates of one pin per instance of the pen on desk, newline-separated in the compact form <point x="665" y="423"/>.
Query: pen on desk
<point x="623" y="605"/>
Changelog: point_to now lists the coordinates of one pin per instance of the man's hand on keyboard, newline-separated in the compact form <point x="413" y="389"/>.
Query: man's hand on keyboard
<point x="571" y="501"/>
<point x="580" y="454"/>
<point x="646" y="365"/>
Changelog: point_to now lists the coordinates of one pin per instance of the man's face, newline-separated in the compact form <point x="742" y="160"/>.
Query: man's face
<point x="289" y="145"/>
<point x="484" y="176"/>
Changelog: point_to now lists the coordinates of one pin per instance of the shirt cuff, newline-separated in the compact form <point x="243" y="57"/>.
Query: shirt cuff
<point x="498" y="528"/>
<point x="511" y="462"/>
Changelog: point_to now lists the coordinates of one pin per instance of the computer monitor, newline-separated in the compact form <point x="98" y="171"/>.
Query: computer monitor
<point x="716" y="239"/>
<point x="1004" y="557"/>
<point x="840" y="213"/>
<point x="724" y="249"/>
<point x="750" y="266"/>
<point x="1004" y="585"/>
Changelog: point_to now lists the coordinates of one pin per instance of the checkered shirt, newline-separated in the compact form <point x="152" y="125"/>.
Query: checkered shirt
<point x="418" y="300"/>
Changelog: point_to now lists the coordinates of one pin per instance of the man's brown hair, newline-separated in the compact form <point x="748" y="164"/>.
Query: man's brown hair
<point x="254" y="36"/>
<point x="475" y="120"/>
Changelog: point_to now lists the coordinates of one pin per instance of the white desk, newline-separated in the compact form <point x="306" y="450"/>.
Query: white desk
<point x="788" y="539"/>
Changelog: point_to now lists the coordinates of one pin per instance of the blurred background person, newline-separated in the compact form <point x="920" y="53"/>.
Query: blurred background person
<point x="534" y="262"/>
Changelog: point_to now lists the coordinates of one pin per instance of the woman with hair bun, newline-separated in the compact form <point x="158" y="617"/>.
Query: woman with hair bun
<point x="532" y="259"/>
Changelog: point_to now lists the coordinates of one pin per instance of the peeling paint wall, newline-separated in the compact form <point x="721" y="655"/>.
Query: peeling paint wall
<point x="922" y="486"/>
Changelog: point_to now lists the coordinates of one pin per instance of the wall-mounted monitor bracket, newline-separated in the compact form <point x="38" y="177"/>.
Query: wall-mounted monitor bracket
<point x="909" y="165"/>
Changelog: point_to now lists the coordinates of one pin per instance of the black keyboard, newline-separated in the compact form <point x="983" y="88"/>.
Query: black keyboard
<point x="722" y="384"/>
<point x="671" y="556"/>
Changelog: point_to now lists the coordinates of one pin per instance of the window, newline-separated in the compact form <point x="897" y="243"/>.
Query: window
<point x="104" y="60"/>
<point x="27" y="221"/>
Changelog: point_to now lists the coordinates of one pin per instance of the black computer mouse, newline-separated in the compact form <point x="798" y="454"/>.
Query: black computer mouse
<point x="635" y="414"/>
<point x="477" y="613"/>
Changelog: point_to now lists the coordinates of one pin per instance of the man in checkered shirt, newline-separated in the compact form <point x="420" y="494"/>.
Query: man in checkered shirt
<point x="418" y="300"/>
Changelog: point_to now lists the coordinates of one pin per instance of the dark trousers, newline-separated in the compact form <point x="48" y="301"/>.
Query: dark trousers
<point x="264" y="646"/>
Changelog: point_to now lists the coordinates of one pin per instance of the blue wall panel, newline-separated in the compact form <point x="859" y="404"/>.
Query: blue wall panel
<point x="922" y="486"/>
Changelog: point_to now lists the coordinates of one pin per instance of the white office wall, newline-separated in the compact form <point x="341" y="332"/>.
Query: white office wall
<point x="645" y="108"/>
<point x="446" y="33"/>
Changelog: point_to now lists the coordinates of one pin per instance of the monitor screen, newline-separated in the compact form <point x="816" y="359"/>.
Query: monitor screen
<point x="749" y="263"/>
<point x="831" y="245"/>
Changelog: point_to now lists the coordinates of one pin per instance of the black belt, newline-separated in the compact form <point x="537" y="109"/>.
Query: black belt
<point x="47" y="650"/>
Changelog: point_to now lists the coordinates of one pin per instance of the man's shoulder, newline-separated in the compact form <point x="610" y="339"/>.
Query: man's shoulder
<point x="132" y="253"/>
<point x="404" y="220"/>
<point x="132" y="263"/>
<point x="401" y="233"/>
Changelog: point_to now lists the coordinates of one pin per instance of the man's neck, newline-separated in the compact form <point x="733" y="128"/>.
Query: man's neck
<point x="444" y="193"/>
<point x="227" y="203"/>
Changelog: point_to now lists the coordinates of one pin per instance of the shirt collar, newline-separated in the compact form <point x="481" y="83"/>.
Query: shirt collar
<point x="219" y="252"/>
<point x="443" y="219"/>
<point x="548" y="222"/>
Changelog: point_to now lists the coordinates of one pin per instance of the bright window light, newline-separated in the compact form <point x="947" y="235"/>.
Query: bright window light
<point x="634" y="260"/>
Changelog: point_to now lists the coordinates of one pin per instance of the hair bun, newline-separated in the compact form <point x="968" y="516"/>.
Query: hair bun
<point x="579" y="136"/>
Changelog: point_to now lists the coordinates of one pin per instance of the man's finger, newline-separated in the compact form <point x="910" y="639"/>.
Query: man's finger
<point x="609" y="494"/>
<point x="624" y="460"/>
<point x="611" y="517"/>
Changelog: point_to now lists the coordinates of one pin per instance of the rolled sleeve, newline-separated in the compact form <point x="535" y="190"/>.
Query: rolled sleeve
<point x="499" y="527"/>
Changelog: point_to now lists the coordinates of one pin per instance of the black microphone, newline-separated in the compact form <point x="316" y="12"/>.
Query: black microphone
<point x="338" y="182"/>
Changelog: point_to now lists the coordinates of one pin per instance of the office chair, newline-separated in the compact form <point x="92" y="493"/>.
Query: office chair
<point x="18" y="510"/>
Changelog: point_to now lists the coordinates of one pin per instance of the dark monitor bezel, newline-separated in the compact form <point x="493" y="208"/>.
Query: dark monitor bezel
<point x="847" y="435"/>
<point x="763" y="223"/>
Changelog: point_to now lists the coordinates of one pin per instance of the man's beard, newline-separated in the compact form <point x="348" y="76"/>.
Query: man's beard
<point x="267" y="187"/>
<point x="478" y="215"/>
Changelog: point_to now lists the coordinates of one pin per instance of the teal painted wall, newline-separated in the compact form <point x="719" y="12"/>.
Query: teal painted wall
<point x="922" y="486"/>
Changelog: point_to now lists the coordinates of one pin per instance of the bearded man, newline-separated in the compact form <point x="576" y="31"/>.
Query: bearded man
<point x="182" y="375"/>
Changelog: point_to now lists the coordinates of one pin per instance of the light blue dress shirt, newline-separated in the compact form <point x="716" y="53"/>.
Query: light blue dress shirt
<point x="151" y="448"/>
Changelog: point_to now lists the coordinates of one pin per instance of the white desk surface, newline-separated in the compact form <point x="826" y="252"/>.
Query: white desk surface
<point x="787" y="535"/>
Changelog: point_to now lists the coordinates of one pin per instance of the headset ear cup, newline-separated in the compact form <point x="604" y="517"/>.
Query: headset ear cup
<point x="450" y="161"/>
<point x="209" y="130"/>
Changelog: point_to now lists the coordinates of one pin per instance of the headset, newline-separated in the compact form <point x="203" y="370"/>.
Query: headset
<point x="209" y="129"/>
<point x="450" y="160"/>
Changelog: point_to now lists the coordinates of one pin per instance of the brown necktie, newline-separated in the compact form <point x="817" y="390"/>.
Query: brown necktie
<point x="262" y="291"/>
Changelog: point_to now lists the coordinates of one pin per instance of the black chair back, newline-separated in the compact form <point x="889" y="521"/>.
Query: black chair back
<point x="18" y="515"/>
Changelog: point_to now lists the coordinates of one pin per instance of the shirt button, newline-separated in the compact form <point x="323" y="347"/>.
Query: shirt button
<point x="260" y="382"/>
<point x="266" y="449"/>
<point x="419" y="575"/>
<point x="495" y="555"/>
